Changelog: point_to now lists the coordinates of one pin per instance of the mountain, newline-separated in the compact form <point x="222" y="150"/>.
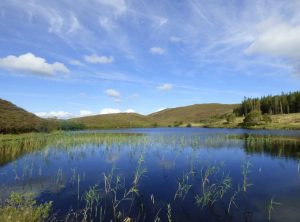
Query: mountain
<point x="117" y="120"/>
<point x="191" y="114"/>
<point x="14" y="119"/>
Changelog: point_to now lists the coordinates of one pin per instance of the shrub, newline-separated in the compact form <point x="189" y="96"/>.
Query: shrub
<point x="177" y="124"/>
<point x="230" y="118"/>
<point x="253" y="118"/>
<point x="189" y="125"/>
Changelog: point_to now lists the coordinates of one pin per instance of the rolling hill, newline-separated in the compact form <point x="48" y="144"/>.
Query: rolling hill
<point x="14" y="119"/>
<point x="191" y="114"/>
<point x="117" y="120"/>
<point x="186" y="114"/>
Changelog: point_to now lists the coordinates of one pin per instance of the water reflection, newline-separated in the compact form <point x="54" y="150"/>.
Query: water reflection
<point x="146" y="177"/>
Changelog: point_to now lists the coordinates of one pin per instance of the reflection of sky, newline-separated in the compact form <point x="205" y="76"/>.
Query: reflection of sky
<point x="271" y="176"/>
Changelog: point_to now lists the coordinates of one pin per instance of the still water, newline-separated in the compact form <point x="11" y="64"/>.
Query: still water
<point x="172" y="174"/>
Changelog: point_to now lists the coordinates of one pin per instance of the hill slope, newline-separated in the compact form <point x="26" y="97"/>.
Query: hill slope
<point x="191" y="114"/>
<point x="118" y="120"/>
<point x="186" y="114"/>
<point x="14" y="119"/>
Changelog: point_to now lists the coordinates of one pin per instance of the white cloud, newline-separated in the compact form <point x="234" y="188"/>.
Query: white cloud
<point x="109" y="111"/>
<point x="64" y="114"/>
<point x="113" y="110"/>
<point x="85" y="113"/>
<point x="175" y="39"/>
<point x="277" y="38"/>
<point x="54" y="114"/>
<point x="129" y="111"/>
<point x="29" y="63"/>
<point x="157" y="51"/>
<point x="165" y="87"/>
<point x="76" y="62"/>
<point x="160" y="109"/>
<point x="99" y="59"/>
<point x="113" y="93"/>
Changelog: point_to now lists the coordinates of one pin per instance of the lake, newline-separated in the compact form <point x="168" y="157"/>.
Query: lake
<point x="160" y="174"/>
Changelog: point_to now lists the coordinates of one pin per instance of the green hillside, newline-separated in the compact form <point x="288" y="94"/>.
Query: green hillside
<point x="184" y="115"/>
<point x="118" y="120"/>
<point x="191" y="114"/>
<point x="14" y="119"/>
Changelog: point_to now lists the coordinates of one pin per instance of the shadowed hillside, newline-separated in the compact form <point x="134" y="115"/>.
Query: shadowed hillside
<point x="14" y="119"/>
<point x="191" y="114"/>
<point x="118" y="120"/>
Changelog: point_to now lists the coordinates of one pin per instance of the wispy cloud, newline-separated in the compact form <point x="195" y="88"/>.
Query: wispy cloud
<point x="165" y="87"/>
<point x="278" y="38"/>
<point x="157" y="51"/>
<point x="29" y="63"/>
<point x="175" y="39"/>
<point x="116" y="95"/>
<point x="99" y="59"/>
<point x="76" y="62"/>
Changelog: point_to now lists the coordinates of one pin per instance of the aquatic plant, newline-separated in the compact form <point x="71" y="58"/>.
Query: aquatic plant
<point x="183" y="187"/>
<point x="23" y="208"/>
<point x="212" y="191"/>
<point x="271" y="205"/>
<point x="245" y="171"/>
<point x="169" y="213"/>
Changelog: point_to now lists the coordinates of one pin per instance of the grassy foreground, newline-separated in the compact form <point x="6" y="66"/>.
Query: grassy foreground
<point x="23" y="208"/>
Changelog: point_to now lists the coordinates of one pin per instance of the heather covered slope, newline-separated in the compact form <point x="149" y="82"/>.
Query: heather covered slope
<point x="191" y="114"/>
<point x="14" y="119"/>
<point x="117" y="120"/>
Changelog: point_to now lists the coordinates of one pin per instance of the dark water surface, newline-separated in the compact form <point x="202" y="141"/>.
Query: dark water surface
<point x="190" y="174"/>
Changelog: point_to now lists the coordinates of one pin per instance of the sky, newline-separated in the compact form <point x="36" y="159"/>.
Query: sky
<point x="75" y="58"/>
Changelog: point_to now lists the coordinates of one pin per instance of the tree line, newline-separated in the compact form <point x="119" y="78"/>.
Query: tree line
<point x="278" y="104"/>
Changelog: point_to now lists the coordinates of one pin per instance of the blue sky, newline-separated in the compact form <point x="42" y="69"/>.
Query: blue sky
<point x="73" y="58"/>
